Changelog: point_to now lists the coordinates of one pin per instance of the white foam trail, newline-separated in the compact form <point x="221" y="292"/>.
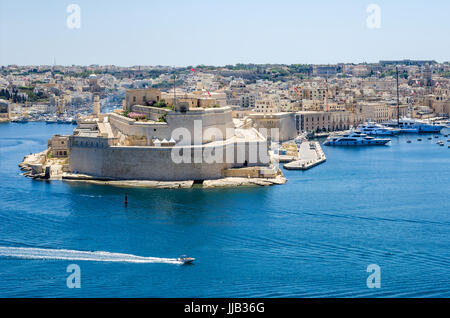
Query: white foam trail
<point x="72" y="255"/>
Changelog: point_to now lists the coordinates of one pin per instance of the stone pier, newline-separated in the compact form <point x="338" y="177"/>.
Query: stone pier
<point x="310" y="154"/>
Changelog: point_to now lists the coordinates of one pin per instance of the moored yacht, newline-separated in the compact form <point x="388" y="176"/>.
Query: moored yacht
<point x="375" y="129"/>
<point x="21" y="120"/>
<point x="426" y="126"/>
<point x="355" y="138"/>
<point x="51" y="120"/>
<point x="409" y="125"/>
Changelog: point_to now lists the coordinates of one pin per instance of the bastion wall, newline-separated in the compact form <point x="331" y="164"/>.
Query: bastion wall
<point x="217" y="118"/>
<point x="156" y="163"/>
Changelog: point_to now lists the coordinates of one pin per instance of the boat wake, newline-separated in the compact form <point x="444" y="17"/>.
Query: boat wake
<point x="73" y="255"/>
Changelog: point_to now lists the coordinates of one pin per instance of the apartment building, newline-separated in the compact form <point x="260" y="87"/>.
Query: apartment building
<point x="267" y="104"/>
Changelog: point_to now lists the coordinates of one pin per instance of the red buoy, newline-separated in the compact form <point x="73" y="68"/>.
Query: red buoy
<point x="126" y="199"/>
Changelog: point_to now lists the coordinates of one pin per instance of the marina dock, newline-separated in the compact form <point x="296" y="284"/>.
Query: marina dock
<point x="310" y="154"/>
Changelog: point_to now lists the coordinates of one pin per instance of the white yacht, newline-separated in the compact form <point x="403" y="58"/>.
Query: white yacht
<point x="415" y="126"/>
<point x="355" y="138"/>
<point x="442" y="122"/>
<point x="21" y="120"/>
<point x="375" y="129"/>
<point x="52" y="120"/>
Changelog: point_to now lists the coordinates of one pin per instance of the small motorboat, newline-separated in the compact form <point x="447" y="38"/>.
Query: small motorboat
<point x="186" y="260"/>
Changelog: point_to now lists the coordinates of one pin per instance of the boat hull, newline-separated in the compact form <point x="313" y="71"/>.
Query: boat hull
<point x="379" y="133"/>
<point x="430" y="129"/>
<point x="378" y="142"/>
<point x="409" y="130"/>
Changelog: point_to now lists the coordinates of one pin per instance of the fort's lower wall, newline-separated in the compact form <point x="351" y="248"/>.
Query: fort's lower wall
<point x="156" y="163"/>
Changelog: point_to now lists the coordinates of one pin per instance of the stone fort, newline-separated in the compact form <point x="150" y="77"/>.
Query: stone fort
<point x="116" y="146"/>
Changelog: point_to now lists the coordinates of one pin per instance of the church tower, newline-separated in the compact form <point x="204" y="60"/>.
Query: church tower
<point x="96" y="109"/>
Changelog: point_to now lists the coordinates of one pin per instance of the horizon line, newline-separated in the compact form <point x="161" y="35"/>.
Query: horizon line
<point x="222" y="65"/>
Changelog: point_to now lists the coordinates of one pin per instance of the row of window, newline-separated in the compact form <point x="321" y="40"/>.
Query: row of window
<point x="325" y="129"/>
<point x="312" y="119"/>
<point x="88" y="144"/>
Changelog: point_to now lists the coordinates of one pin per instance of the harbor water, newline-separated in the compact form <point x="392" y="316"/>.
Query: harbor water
<point x="315" y="236"/>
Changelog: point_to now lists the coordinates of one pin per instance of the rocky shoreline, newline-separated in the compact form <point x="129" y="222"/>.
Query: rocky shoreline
<point x="33" y="165"/>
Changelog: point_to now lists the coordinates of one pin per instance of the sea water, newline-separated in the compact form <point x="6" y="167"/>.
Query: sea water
<point x="315" y="236"/>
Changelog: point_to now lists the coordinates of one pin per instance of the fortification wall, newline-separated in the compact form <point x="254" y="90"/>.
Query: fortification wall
<point x="283" y="122"/>
<point x="131" y="127"/>
<point x="217" y="118"/>
<point x="155" y="163"/>
<point x="153" y="113"/>
<point x="211" y="118"/>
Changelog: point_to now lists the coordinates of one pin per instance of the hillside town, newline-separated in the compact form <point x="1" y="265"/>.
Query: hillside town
<point x="319" y="98"/>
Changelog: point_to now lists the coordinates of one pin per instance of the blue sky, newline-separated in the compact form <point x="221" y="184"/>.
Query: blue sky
<point x="179" y="33"/>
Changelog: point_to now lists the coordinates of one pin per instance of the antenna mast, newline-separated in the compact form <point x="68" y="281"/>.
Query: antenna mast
<point x="398" y="99"/>
<point x="326" y="92"/>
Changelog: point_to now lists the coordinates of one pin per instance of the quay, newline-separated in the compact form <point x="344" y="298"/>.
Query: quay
<point x="310" y="154"/>
<point x="288" y="152"/>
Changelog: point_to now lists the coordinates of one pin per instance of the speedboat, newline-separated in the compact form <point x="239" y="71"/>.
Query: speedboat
<point x="374" y="129"/>
<point x="186" y="260"/>
<point x="355" y="138"/>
